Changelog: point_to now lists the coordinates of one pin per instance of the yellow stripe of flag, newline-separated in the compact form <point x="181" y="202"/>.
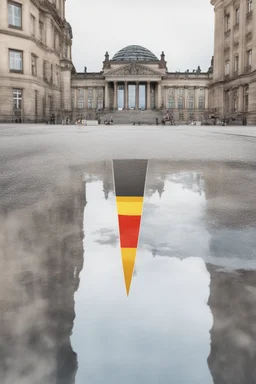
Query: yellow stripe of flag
<point x="124" y="199"/>
<point x="130" y="208"/>
<point x="128" y="258"/>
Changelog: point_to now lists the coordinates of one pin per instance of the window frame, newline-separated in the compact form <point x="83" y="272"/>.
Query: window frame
<point x="18" y="5"/>
<point x="33" y="25"/>
<point x="249" y="6"/>
<point x="236" y="63"/>
<point x="227" y="22"/>
<point x="237" y="15"/>
<point x="227" y="66"/>
<point x="22" y="62"/>
<point x="17" y="98"/>
<point x="249" y="58"/>
<point x="34" y="57"/>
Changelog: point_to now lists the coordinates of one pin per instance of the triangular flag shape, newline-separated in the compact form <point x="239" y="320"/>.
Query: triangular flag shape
<point x="129" y="178"/>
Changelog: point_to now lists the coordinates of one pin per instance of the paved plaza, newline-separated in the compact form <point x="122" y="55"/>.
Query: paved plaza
<point x="190" y="316"/>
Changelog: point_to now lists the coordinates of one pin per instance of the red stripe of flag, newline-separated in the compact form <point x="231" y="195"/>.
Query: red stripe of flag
<point x="129" y="227"/>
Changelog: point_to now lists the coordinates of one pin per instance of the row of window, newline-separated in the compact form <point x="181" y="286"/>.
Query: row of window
<point x="15" y="13"/>
<point x="80" y="92"/>
<point x="234" y="106"/>
<point x="15" y="21"/>
<point x="190" y="104"/>
<point x="181" y="91"/>
<point x="90" y="103"/>
<point x="236" y="63"/>
<point x="237" y="15"/>
<point x="16" y="65"/>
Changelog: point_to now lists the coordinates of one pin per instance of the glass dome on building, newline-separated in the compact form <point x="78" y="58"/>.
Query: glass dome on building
<point x="134" y="53"/>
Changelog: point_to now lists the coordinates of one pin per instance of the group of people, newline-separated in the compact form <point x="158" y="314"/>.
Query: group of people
<point x="109" y="121"/>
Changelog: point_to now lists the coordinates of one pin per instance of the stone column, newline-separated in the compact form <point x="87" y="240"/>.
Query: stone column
<point x="196" y="97"/>
<point x="137" y="95"/>
<point x="115" y="95"/>
<point x="148" y="96"/>
<point x="125" y="95"/>
<point x="106" y="98"/>
<point x="230" y="104"/>
<point x="240" y="98"/>
<point x="159" y="95"/>
<point x="186" y="98"/>
<point x="175" y="96"/>
<point x="242" y="45"/>
<point x="206" y="98"/>
<point x="218" y="67"/>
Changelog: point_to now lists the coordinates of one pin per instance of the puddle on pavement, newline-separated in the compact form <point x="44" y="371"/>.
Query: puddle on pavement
<point x="191" y="310"/>
<point x="145" y="338"/>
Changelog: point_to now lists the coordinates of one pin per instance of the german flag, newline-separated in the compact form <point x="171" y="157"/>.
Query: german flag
<point x="129" y="178"/>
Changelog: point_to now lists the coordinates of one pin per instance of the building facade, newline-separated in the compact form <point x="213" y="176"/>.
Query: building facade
<point x="36" y="62"/>
<point x="233" y="86"/>
<point x="39" y="80"/>
<point x="135" y="79"/>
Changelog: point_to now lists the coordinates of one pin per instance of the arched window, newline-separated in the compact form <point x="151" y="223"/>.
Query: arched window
<point x="171" y="102"/>
<point x="201" y="103"/>
<point x="180" y="102"/>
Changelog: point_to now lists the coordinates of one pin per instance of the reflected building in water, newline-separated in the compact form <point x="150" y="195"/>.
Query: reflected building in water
<point x="41" y="261"/>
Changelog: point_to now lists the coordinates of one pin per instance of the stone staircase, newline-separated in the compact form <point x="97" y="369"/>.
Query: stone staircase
<point x="130" y="117"/>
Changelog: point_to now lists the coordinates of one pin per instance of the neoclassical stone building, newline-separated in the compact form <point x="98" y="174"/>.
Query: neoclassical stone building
<point x="233" y="86"/>
<point x="35" y="60"/>
<point x="135" y="79"/>
<point x="38" y="78"/>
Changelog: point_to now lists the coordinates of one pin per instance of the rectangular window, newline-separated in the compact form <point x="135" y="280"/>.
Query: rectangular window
<point x="57" y="75"/>
<point x="41" y="32"/>
<point x="100" y="104"/>
<point x="17" y="98"/>
<point x="171" y="103"/>
<point x="191" y="103"/>
<point x="237" y="15"/>
<point x="16" y="60"/>
<point x="80" y="92"/>
<point x="36" y="103"/>
<point x="246" y="103"/>
<point x="249" y="6"/>
<point x="14" y="15"/>
<point x="227" y="67"/>
<point x="249" y="58"/>
<point x="227" y="23"/>
<point x="80" y="102"/>
<point x="90" y="102"/>
<point x="236" y="66"/>
<point x="180" y="103"/>
<point x="181" y="117"/>
<point x="33" y="65"/>
<point x="33" y="25"/>
<point x="201" y="102"/>
<point x="235" y="100"/>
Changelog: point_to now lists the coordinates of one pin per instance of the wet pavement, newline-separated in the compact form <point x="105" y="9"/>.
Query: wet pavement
<point x="191" y="313"/>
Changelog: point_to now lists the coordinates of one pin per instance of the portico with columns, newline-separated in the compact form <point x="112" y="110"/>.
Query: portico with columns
<point x="136" y="94"/>
<point x="136" y="80"/>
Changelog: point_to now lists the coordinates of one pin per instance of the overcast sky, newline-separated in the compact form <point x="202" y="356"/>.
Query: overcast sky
<point x="182" y="29"/>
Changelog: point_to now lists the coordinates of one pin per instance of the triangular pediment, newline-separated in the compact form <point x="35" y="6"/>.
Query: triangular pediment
<point x="133" y="69"/>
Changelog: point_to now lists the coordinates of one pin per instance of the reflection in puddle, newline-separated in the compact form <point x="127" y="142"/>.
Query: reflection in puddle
<point x="161" y="332"/>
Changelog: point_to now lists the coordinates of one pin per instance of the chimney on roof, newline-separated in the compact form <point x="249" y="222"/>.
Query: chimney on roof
<point x="85" y="69"/>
